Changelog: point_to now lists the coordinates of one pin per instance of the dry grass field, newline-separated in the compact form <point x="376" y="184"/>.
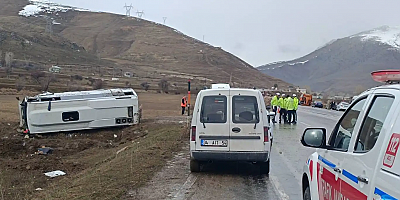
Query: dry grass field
<point x="94" y="169"/>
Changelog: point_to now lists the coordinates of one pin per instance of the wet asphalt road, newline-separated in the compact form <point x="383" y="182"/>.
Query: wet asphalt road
<point x="241" y="180"/>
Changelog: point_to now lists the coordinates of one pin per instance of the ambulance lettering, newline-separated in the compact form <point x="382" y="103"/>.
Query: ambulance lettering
<point x="391" y="150"/>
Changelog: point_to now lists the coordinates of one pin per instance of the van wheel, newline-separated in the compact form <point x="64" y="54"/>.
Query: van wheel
<point x="264" y="167"/>
<point x="307" y="194"/>
<point x="194" y="166"/>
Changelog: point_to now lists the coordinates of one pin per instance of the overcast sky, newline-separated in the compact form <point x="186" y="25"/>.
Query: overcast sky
<point x="261" y="31"/>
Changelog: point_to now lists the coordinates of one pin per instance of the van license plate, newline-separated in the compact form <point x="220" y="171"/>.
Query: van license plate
<point x="214" y="143"/>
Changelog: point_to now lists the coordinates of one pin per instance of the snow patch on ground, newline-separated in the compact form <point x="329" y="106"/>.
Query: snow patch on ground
<point x="303" y="62"/>
<point x="45" y="6"/>
<point x="273" y="63"/>
<point x="386" y="35"/>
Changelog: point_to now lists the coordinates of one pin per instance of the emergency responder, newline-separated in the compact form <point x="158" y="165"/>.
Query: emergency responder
<point x="274" y="104"/>
<point x="290" y="109"/>
<point x="183" y="104"/>
<point x="296" y="105"/>
<point x="282" y="112"/>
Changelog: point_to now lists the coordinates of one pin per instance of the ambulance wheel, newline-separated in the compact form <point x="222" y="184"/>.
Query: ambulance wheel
<point x="194" y="166"/>
<point x="307" y="194"/>
<point x="264" y="167"/>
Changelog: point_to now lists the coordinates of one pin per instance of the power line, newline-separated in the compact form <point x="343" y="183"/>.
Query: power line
<point x="128" y="10"/>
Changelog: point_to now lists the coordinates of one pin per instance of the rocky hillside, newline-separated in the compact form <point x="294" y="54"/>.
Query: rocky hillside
<point x="343" y="65"/>
<point x="150" y="50"/>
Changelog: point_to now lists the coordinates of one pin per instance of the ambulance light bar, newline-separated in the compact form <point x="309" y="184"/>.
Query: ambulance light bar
<point x="386" y="76"/>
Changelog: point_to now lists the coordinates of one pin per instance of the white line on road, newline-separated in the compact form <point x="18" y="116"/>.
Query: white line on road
<point x="278" y="187"/>
<point x="304" y="124"/>
<point x="191" y="179"/>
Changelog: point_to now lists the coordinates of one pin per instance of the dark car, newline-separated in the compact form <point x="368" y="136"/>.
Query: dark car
<point x="318" y="104"/>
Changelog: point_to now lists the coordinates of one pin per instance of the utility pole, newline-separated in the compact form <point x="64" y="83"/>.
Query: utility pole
<point x="140" y="14"/>
<point x="203" y="38"/>
<point x="165" y="19"/>
<point x="49" y="25"/>
<point x="128" y="10"/>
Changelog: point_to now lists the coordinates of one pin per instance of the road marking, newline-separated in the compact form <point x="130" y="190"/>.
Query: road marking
<point x="305" y="124"/>
<point x="277" y="186"/>
<point x="191" y="179"/>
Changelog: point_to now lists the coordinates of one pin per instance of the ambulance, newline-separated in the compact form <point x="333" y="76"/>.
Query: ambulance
<point x="230" y="124"/>
<point x="360" y="160"/>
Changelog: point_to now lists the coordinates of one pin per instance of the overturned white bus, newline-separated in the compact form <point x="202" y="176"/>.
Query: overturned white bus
<point x="68" y="111"/>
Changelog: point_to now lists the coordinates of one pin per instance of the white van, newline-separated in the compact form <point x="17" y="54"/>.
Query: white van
<point x="68" y="111"/>
<point x="230" y="125"/>
<point x="359" y="161"/>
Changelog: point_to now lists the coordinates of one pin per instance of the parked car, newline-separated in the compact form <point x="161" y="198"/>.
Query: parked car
<point x="318" y="104"/>
<point x="342" y="106"/>
<point x="221" y="124"/>
<point x="359" y="159"/>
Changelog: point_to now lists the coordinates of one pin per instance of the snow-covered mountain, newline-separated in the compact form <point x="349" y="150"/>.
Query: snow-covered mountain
<point x="345" y="64"/>
<point x="37" y="7"/>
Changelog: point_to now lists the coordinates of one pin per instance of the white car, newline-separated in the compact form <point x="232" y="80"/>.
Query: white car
<point x="342" y="106"/>
<point x="230" y="124"/>
<point x="359" y="161"/>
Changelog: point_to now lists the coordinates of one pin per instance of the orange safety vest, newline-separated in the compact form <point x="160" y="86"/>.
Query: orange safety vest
<point x="183" y="102"/>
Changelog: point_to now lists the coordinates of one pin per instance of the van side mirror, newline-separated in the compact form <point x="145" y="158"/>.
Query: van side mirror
<point x="314" y="137"/>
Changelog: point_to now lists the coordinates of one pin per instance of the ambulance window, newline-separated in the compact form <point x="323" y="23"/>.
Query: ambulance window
<point x="340" y="138"/>
<point x="372" y="125"/>
<point x="213" y="109"/>
<point x="70" y="116"/>
<point x="245" y="109"/>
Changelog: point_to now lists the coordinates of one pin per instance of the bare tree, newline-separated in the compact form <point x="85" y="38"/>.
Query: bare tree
<point x="163" y="85"/>
<point x="43" y="79"/>
<point x="47" y="80"/>
<point x="37" y="75"/>
<point x="9" y="59"/>
<point x="20" y="84"/>
<point x="145" y="86"/>
<point x="98" y="84"/>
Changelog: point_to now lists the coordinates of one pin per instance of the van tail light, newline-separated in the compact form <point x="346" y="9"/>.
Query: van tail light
<point x="193" y="138"/>
<point x="266" y="130"/>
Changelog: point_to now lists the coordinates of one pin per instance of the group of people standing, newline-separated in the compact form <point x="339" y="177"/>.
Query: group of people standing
<point x="287" y="108"/>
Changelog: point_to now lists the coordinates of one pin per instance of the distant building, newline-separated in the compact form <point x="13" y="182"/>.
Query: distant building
<point x="55" y="69"/>
<point x="303" y="91"/>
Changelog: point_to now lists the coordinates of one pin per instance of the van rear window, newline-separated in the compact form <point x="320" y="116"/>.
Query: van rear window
<point x="213" y="109"/>
<point x="245" y="109"/>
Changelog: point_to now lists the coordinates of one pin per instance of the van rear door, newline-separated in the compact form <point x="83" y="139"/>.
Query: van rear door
<point x="246" y="129"/>
<point x="213" y="123"/>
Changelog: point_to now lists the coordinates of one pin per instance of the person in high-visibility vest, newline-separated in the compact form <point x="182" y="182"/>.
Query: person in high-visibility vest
<point x="183" y="104"/>
<point x="282" y="112"/>
<point x="296" y="105"/>
<point x="275" y="104"/>
<point x="290" y="108"/>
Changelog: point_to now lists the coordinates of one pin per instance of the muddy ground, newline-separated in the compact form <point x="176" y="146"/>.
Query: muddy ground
<point x="81" y="153"/>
